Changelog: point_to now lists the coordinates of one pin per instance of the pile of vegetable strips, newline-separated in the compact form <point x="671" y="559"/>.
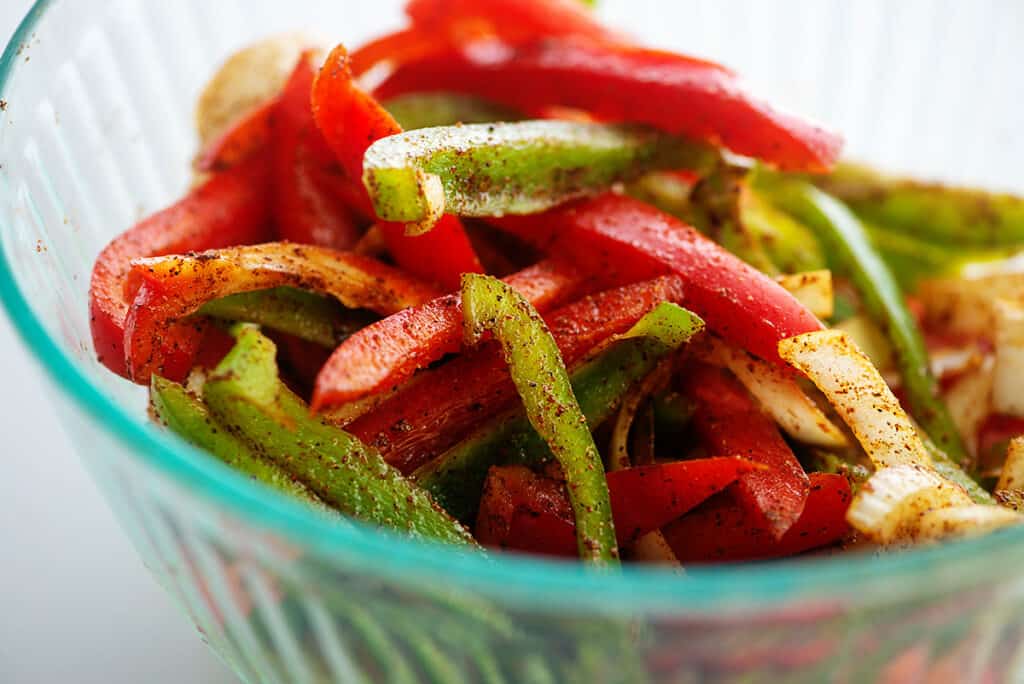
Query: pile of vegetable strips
<point x="506" y="278"/>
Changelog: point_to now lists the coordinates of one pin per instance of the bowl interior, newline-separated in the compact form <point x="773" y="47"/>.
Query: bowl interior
<point x="96" y="132"/>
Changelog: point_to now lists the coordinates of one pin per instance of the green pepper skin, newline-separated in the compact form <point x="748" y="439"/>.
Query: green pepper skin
<point x="851" y="250"/>
<point x="188" y="417"/>
<point x="306" y="315"/>
<point x="427" y="110"/>
<point x="539" y="374"/>
<point x="957" y="217"/>
<point x="245" y="393"/>
<point x="512" y="168"/>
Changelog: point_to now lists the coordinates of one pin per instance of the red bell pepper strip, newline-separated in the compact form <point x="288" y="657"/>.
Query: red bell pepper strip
<point x="388" y="352"/>
<point x="160" y="337"/>
<point x="306" y="208"/>
<point x="247" y="137"/>
<point x="730" y="423"/>
<point x="723" y="530"/>
<point x="394" y="48"/>
<point x="528" y="512"/>
<point x="511" y="20"/>
<point x="351" y="121"/>
<point x="229" y="209"/>
<point x="617" y="235"/>
<point x="444" y="404"/>
<point x="677" y="94"/>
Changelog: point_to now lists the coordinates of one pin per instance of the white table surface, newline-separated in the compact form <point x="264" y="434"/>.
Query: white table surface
<point x="77" y="604"/>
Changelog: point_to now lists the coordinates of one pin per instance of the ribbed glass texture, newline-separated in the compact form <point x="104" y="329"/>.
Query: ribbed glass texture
<point x="97" y="132"/>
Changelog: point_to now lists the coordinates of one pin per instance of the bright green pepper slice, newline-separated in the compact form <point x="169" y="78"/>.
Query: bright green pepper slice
<point x="245" y="393"/>
<point x="456" y="478"/>
<point x="427" y="110"/>
<point x="539" y="373"/>
<point x="851" y="250"/>
<point x="307" y="315"/>
<point x="188" y="417"/>
<point x="511" y="168"/>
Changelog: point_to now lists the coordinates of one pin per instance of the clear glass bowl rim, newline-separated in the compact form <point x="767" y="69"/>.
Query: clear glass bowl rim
<point x="704" y="589"/>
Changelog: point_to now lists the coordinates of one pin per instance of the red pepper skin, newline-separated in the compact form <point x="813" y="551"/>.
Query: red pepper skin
<point x="161" y="336"/>
<point x="387" y="353"/>
<point x="677" y="94"/>
<point x="305" y="172"/>
<point x="631" y="240"/>
<point x="997" y="429"/>
<point x="524" y="511"/>
<point x="730" y="423"/>
<point x="247" y="137"/>
<point x="351" y="121"/>
<point x="721" y="530"/>
<point x="444" y="404"/>
<point x="393" y="48"/>
<point x="229" y="209"/>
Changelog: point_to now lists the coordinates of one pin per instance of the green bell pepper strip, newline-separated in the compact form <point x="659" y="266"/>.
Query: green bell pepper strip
<point x="957" y="217"/>
<point x="539" y="375"/>
<point x="850" y="248"/>
<point x="188" y="417"/>
<point x="245" y="393"/>
<point x="456" y="478"/>
<point x="427" y="110"/>
<point x="512" y="168"/>
<point x="312" y="317"/>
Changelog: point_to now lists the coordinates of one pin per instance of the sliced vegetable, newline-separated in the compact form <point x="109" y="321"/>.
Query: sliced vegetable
<point x="188" y="417"/>
<point x="307" y="206"/>
<point x="244" y="139"/>
<point x="351" y="121"/>
<point x="870" y="339"/>
<point x="512" y="168"/>
<point x="539" y="374"/>
<point x="813" y="289"/>
<point x="730" y="424"/>
<point x="674" y="93"/>
<point x="966" y="305"/>
<point x="779" y="396"/>
<point x="722" y="531"/>
<point x="1007" y="390"/>
<point x="229" y="209"/>
<point x="456" y="477"/>
<point x="1010" y="487"/>
<point x="388" y="352"/>
<point x="851" y="251"/>
<point x="890" y="506"/>
<point x="159" y="339"/>
<point x="425" y="110"/>
<point x="860" y="395"/>
<point x="970" y="402"/>
<point x="965" y="521"/>
<point x="528" y="512"/>
<point x="791" y="246"/>
<point x="614" y="235"/>
<point x="245" y="394"/>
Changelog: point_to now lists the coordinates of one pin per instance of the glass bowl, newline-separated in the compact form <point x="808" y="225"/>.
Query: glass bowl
<point x="95" y="131"/>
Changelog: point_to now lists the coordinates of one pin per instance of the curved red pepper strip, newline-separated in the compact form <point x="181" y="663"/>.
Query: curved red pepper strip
<point x="527" y="512"/>
<point x="248" y="136"/>
<point x="442" y="405"/>
<point x="229" y="209"/>
<point x="723" y="531"/>
<point x="160" y="337"/>
<point x="618" y="236"/>
<point x="387" y="353"/>
<point x="305" y="208"/>
<point x="673" y="93"/>
<point x="393" y="48"/>
<point x="730" y="423"/>
<point x="351" y="121"/>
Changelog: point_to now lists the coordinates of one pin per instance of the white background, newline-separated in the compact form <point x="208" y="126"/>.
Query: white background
<point x="76" y="604"/>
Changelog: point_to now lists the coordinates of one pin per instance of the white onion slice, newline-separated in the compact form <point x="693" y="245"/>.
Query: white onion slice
<point x="965" y="521"/>
<point x="813" y="289"/>
<point x="1008" y="389"/>
<point x="970" y="401"/>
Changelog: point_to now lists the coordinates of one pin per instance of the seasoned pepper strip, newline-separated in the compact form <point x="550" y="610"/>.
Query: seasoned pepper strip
<point x="851" y="249"/>
<point x="245" y="394"/>
<point x="673" y="93"/>
<point x="188" y="417"/>
<point x="512" y="168"/>
<point x="540" y="377"/>
<point x="161" y="335"/>
<point x="456" y="478"/>
<point x="309" y="316"/>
